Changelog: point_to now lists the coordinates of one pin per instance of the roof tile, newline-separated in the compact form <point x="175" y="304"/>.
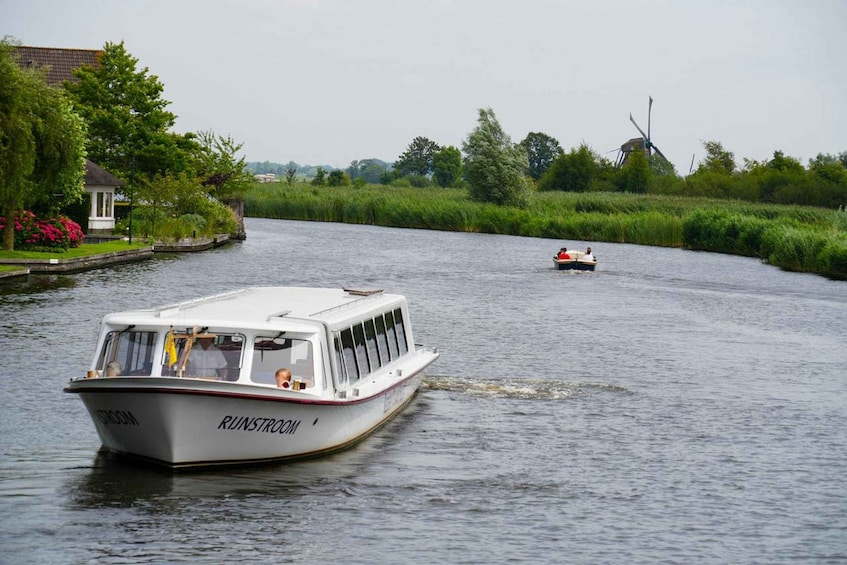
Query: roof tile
<point x="61" y="62"/>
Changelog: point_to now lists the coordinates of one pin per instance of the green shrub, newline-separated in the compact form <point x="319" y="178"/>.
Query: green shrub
<point x="195" y="221"/>
<point x="833" y="259"/>
<point x="793" y="248"/>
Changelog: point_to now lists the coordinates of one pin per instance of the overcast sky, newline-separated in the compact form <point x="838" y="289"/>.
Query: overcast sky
<point x="332" y="81"/>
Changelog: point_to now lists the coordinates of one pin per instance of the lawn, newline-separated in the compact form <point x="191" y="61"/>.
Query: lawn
<point x="84" y="250"/>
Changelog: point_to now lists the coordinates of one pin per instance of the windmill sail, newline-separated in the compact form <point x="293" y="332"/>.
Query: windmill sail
<point x="645" y="143"/>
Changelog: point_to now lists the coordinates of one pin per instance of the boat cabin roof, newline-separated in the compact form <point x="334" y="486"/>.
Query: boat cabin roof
<point x="263" y="306"/>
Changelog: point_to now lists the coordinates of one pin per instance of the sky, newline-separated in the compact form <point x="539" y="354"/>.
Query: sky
<point x="327" y="82"/>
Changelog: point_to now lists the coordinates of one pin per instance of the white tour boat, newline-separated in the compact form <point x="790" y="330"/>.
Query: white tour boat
<point x="199" y="383"/>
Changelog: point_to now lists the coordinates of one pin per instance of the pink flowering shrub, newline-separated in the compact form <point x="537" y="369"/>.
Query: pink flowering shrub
<point x="36" y="234"/>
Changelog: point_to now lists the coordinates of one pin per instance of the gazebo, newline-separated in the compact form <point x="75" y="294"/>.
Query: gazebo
<point x="100" y="186"/>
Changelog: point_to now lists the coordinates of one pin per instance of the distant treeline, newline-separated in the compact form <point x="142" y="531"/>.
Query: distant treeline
<point x="280" y="170"/>
<point x="796" y="238"/>
<point x="370" y="170"/>
<point x="780" y="180"/>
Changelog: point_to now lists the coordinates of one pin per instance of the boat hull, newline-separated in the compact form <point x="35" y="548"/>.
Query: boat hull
<point x="180" y="425"/>
<point x="574" y="265"/>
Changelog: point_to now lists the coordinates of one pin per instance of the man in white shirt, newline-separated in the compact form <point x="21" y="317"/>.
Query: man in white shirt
<point x="206" y="360"/>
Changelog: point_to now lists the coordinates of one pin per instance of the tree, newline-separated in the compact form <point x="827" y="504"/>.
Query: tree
<point x="42" y="144"/>
<point x="635" y="175"/>
<point x="829" y="168"/>
<point x="320" y="177"/>
<point x="417" y="159"/>
<point x="717" y="160"/>
<point x="127" y="118"/>
<point x="830" y="174"/>
<point x="218" y="166"/>
<point x="494" y="166"/>
<point x="447" y="166"/>
<point x="571" y="172"/>
<point x="785" y="164"/>
<point x="369" y="170"/>
<point x="660" y="166"/>
<point x="541" y="150"/>
<point x="290" y="175"/>
<point x="337" y="177"/>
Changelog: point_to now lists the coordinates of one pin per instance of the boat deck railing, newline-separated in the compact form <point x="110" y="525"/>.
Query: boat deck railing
<point x="170" y="307"/>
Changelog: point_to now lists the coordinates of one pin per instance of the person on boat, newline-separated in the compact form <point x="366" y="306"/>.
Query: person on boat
<point x="283" y="378"/>
<point x="563" y="253"/>
<point x="206" y="360"/>
<point x="588" y="255"/>
<point x="113" y="369"/>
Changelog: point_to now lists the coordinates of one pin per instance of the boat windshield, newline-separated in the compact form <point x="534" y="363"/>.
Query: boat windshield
<point x="273" y="353"/>
<point x="203" y="355"/>
<point x="127" y="352"/>
<point x="132" y="352"/>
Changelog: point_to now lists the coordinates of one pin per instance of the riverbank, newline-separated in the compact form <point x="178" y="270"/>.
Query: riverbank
<point x="794" y="238"/>
<point x="53" y="265"/>
<point x="97" y="255"/>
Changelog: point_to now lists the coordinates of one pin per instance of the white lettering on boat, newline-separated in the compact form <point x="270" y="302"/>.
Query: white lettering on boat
<point x="253" y="424"/>
<point x="117" y="417"/>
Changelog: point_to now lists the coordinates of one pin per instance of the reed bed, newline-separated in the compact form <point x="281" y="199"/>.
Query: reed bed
<point x="795" y="238"/>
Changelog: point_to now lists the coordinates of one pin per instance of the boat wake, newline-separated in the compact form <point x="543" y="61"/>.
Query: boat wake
<point x="526" y="388"/>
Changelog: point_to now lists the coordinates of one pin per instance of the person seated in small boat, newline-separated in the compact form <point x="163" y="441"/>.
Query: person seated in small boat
<point x="283" y="378"/>
<point x="563" y="253"/>
<point x="588" y="255"/>
<point x="206" y="360"/>
<point x="113" y="369"/>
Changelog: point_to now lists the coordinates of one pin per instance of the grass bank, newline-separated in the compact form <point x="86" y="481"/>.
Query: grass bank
<point x="795" y="238"/>
<point x="84" y="250"/>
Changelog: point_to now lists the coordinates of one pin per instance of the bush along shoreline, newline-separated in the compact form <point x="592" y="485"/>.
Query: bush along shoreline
<point x="794" y="238"/>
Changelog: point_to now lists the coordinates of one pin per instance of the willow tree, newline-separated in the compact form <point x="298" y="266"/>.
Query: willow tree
<point x="495" y="167"/>
<point x="42" y="143"/>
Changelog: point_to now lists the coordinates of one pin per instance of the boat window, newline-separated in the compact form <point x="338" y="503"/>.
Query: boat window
<point x="392" y="335"/>
<point x="361" y="349"/>
<point x="127" y="352"/>
<point x="401" y="331"/>
<point x="272" y="353"/>
<point x="339" y="359"/>
<point x="373" y="353"/>
<point x="350" y="366"/>
<point x="209" y="355"/>
<point x="382" y="340"/>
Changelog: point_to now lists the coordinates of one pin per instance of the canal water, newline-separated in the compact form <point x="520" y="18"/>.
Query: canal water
<point x="671" y="407"/>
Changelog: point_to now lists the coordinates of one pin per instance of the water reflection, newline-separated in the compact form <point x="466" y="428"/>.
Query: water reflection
<point x="35" y="284"/>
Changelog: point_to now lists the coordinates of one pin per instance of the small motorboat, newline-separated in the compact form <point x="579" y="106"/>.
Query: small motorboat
<point x="253" y="375"/>
<point x="577" y="262"/>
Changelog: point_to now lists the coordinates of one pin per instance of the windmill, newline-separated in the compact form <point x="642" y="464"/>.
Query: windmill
<point x="643" y="143"/>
